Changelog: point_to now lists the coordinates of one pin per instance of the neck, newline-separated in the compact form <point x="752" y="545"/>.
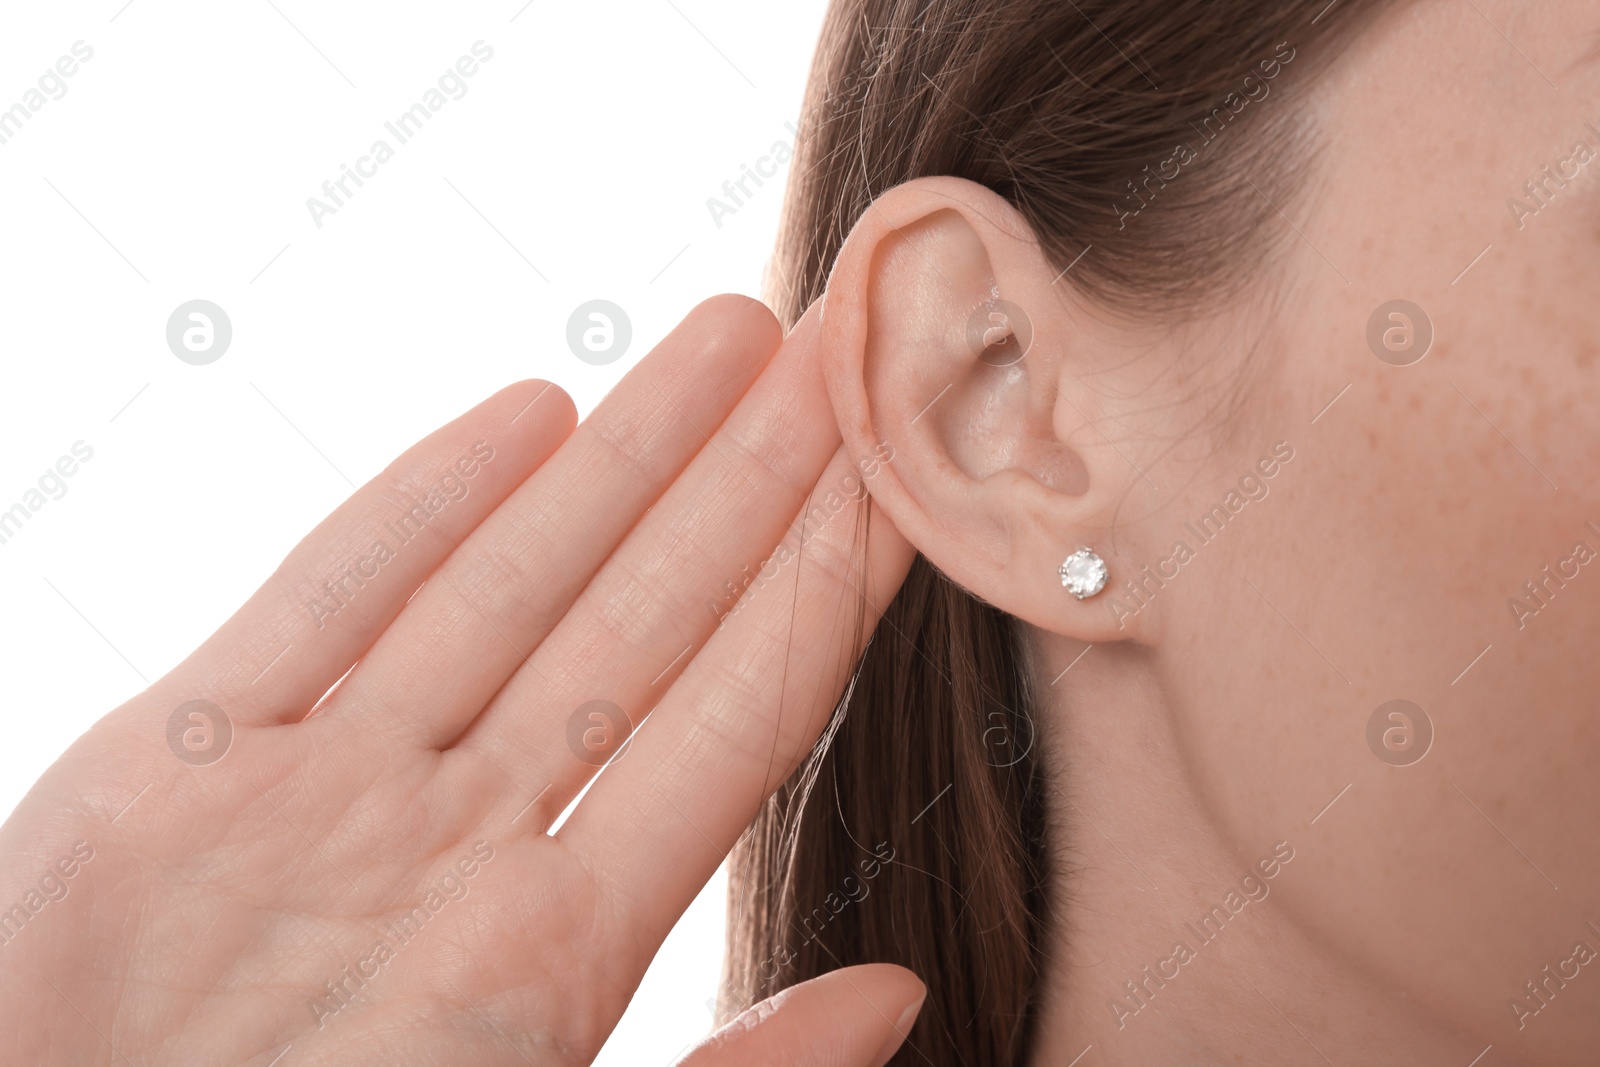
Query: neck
<point x="1174" y="942"/>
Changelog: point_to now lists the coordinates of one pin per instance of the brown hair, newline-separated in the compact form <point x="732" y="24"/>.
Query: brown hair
<point x="916" y="832"/>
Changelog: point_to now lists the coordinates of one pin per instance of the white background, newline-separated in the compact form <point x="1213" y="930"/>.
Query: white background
<point x="177" y="166"/>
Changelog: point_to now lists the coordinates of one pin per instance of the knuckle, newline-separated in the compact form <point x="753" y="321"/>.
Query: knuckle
<point x="512" y="583"/>
<point x="732" y="696"/>
<point x="628" y="439"/>
<point x="624" y="611"/>
<point x="770" y="446"/>
<point x="827" y="552"/>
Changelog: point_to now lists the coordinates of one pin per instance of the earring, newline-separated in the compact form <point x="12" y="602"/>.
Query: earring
<point x="1083" y="573"/>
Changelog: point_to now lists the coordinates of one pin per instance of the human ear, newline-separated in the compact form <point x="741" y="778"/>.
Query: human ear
<point x="950" y="349"/>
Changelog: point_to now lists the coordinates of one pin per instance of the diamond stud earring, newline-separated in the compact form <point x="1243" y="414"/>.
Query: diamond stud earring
<point x="1084" y="573"/>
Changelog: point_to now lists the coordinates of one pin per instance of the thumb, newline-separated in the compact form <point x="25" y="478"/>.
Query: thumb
<point x="852" y="1017"/>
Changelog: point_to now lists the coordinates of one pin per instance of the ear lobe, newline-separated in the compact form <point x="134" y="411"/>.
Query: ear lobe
<point x="948" y="348"/>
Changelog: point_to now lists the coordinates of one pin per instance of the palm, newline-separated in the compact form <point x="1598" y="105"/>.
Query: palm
<point x="259" y="912"/>
<point x="374" y="883"/>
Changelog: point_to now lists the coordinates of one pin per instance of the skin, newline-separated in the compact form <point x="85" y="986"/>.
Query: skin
<point x="1219" y="728"/>
<point x="212" y="902"/>
<point x="1226" y="716"/>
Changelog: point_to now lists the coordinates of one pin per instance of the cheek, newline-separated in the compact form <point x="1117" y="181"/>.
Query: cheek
<point x="1425" y="502"/>
<point x="1525" y="350"/>
<point x="1418" y="506"/>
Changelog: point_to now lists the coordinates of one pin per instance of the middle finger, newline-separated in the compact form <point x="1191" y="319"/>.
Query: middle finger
<point x="501" y="591"/>
<point x="664" y="591"/>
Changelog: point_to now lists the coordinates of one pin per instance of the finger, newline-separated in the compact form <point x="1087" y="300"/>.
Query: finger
<point x="511" y="582"/>
<point x="664" y="590"/>
<point x="341" y="585"/>
<point x="852" y="1017"/>
<point x="741" y="717"/>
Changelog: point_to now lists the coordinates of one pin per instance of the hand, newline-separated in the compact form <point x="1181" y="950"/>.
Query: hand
<point x="323" y="838"/>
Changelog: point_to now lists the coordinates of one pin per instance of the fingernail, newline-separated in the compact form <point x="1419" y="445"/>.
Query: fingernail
<point x="902" y="1030"/>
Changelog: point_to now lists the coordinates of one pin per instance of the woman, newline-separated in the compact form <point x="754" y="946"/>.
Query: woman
<point x="1171" y="509"/>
